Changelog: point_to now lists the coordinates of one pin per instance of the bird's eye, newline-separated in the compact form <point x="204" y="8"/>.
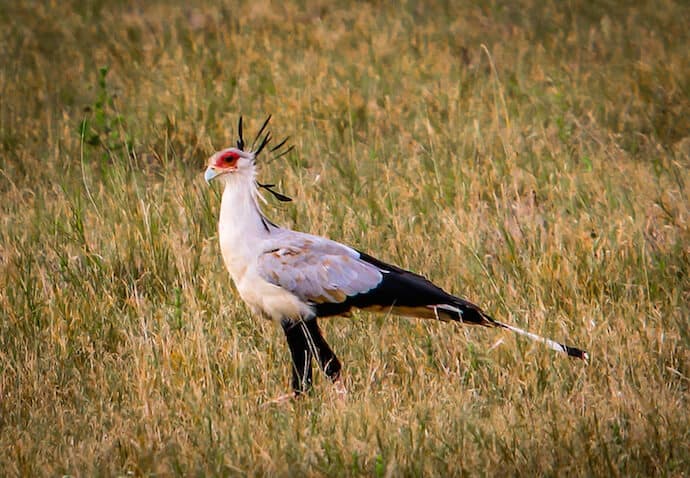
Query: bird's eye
<point x="229" y="158"/>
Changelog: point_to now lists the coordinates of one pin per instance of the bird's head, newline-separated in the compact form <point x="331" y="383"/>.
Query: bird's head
<point x="230" y="161"/>
<point x="237" y="162"/>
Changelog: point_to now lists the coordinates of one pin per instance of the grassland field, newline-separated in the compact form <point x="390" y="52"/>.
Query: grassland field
<point x="531" y="156"/>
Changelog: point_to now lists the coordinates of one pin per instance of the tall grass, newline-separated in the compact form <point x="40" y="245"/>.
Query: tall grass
<point x="530" y="156"/>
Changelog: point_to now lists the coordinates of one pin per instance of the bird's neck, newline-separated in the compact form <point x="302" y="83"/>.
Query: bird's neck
<point x="241" y="227"/>
<point x="240" y="215"/>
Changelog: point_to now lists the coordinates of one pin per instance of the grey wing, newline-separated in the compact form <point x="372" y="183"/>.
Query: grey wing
<point x="317" y="270"/>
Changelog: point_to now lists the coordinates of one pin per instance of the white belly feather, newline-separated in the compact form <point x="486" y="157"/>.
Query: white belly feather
<point x="270" y="300"/>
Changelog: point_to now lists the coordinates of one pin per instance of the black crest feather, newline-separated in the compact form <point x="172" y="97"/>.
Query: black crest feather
<point x="262" y="143"/>
<point x="240" y="140"/>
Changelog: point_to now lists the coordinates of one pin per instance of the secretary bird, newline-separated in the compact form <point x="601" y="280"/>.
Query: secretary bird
<point x="295" y="278"/>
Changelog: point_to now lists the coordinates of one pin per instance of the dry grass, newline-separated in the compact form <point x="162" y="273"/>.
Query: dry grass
<point x="532" y="157"/>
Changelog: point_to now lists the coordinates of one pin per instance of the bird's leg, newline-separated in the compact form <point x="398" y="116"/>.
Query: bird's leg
<point x="324" y="354"/>
<point x="301" y="356"/>
<point x="328" y="362"/>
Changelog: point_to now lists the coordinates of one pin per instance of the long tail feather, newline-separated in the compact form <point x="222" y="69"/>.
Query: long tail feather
<point x="406" y="293"/>
<point x="552" y="344"/>
<point x="466" y="312"/>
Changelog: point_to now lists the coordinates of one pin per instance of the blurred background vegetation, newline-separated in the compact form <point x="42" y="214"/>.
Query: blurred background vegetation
<point x="531" y="156"/>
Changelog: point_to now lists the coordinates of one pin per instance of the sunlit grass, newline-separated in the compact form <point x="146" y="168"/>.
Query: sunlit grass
<point x="531" y="157"/>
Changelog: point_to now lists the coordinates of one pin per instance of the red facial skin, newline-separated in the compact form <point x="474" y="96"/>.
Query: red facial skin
<point x="227" y="161"/>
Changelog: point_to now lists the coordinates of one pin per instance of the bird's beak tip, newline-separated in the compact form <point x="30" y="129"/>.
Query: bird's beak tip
<point x="210" y="174"/>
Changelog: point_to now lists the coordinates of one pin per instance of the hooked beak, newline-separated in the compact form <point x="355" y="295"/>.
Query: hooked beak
<point x="210" y="174"/>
